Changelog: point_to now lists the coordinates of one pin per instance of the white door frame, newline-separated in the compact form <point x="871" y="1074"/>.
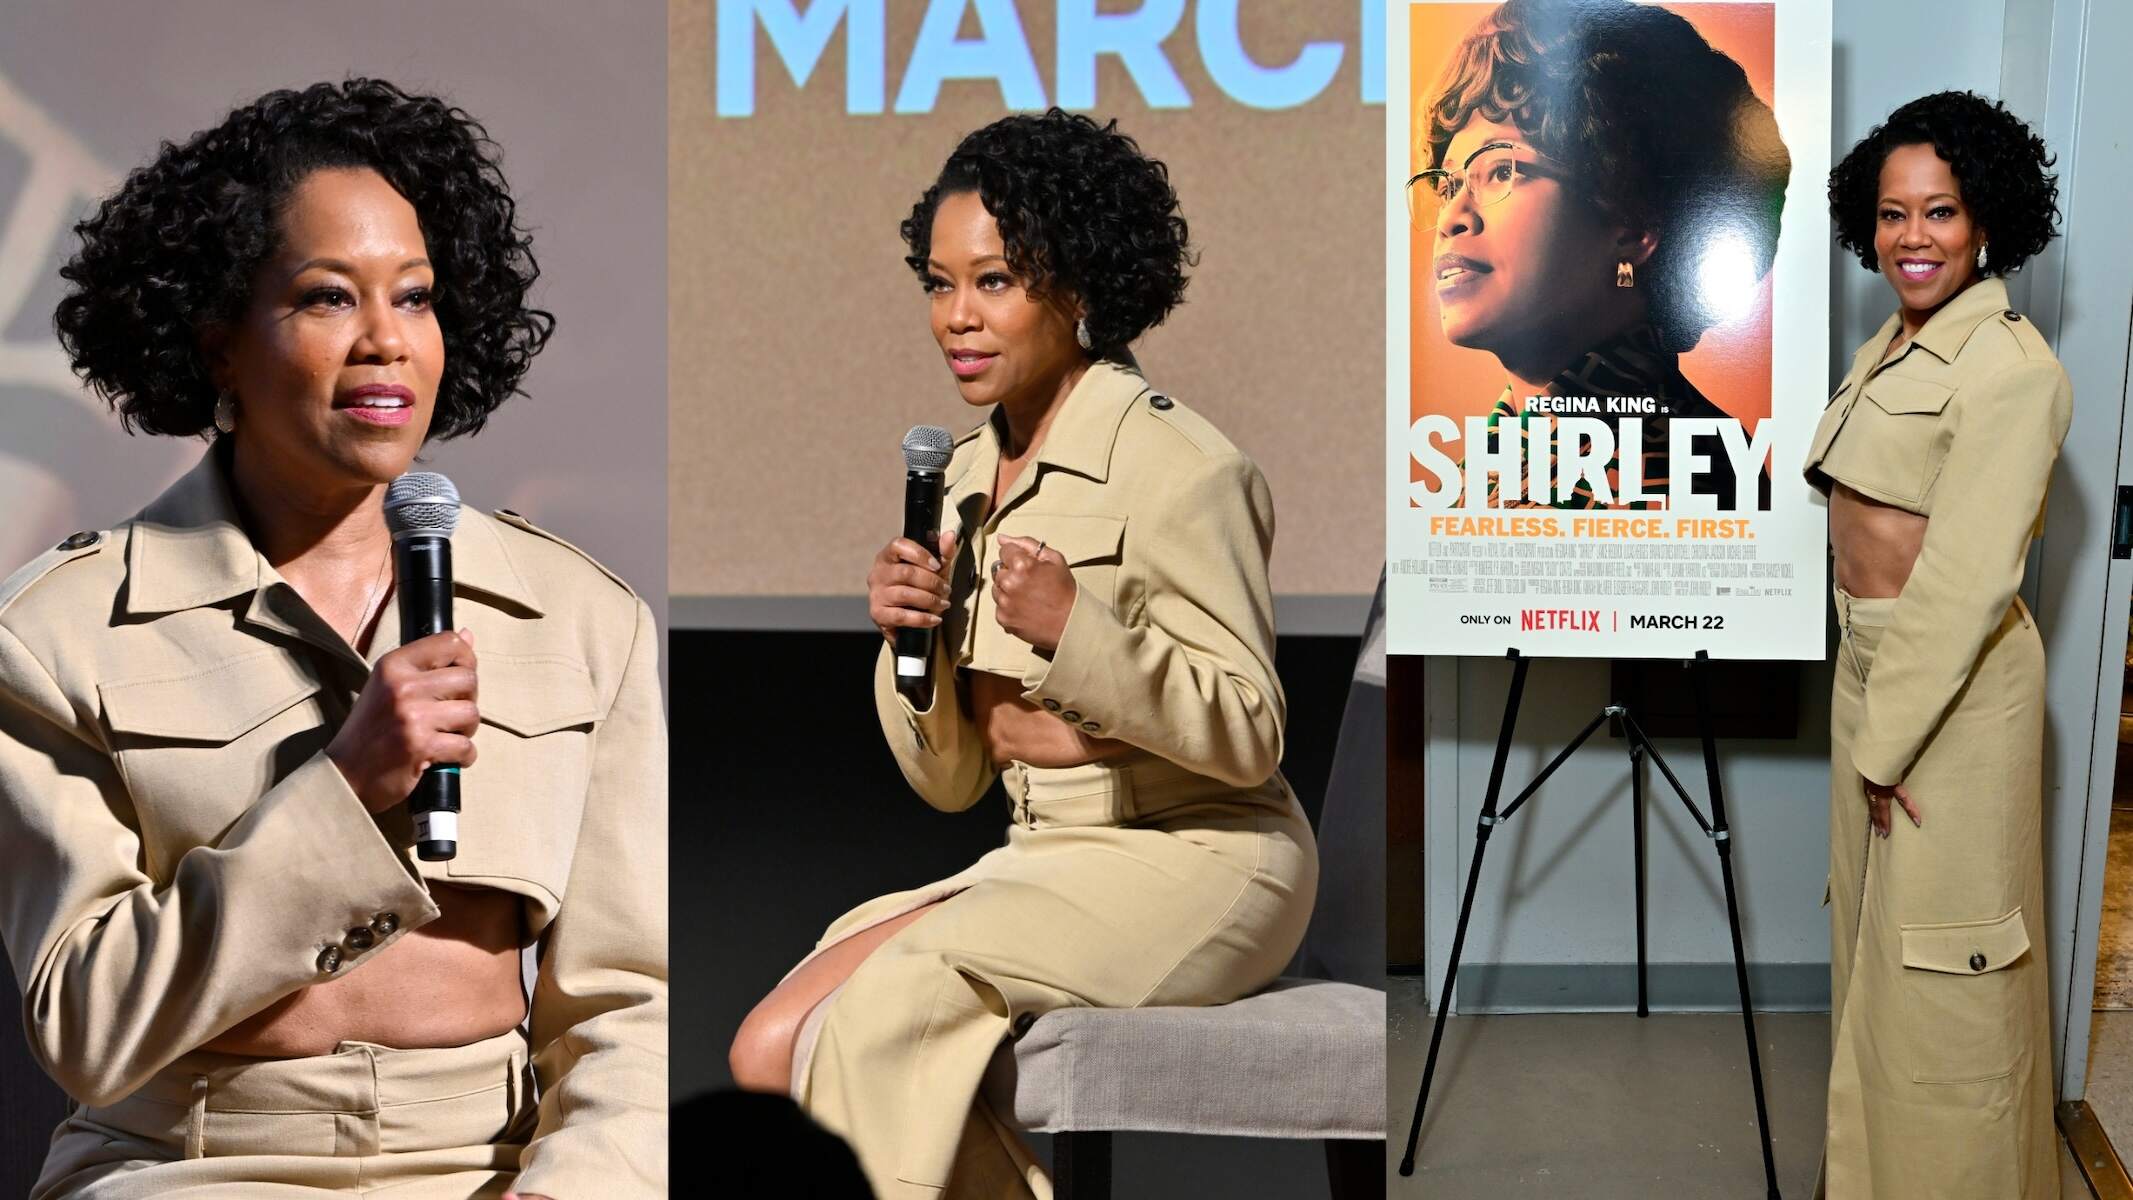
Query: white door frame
<point x="2062" y="59"/>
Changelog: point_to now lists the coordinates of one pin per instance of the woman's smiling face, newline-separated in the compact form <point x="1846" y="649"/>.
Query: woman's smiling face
<point x="1925" y="239"/>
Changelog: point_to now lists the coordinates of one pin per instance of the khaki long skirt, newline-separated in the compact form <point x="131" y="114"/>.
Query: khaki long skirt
<point x="1121" y="885"/>
<point x="445" y="1124"/>
<point x="1940" y="1084"/>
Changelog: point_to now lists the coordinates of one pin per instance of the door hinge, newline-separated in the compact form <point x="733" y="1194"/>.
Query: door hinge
<point x="2122" y="524"/>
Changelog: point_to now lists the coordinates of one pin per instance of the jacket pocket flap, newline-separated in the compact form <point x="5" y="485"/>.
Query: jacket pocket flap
<point x="1080" y="537"/>
<point x="1965" y="947"/>
<point x="218" y="704"/>
<point x="535" y="694"/>
<point x="1899" y="394"/>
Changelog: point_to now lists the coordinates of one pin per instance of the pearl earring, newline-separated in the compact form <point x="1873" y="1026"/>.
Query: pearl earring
<point x="1981" y="256"/>
<point x="1081" y="335"/>
<point x="226" y="413"/>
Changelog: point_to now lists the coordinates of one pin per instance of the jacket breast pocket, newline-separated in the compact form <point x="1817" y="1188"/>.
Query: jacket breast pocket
<point x="522" y="800"/>
<point x="1898" y="420"/>
<point x="1090" y="543"/>
<point x="198" y="748"/>
<point x="1964" y="1003"/>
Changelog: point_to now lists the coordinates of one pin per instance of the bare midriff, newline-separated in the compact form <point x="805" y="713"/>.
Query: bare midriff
<point x="453" y="981"/>
<point x="1014" y="730"/>
<point x="1875" y="545"/>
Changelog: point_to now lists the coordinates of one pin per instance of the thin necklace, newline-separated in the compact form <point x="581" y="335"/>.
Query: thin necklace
<point x="370" y="601"/>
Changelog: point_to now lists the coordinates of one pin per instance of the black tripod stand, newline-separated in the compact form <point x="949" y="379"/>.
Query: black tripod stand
<point x="1715" y="828"/>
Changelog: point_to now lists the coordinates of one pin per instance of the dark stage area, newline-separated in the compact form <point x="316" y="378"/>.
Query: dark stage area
<point x="788" y="809"/>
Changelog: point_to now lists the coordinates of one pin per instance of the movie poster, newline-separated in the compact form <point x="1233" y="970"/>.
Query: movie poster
<point x="1607" y="337"/>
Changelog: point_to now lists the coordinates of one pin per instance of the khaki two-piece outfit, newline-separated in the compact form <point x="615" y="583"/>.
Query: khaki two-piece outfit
<point x="1183" y="874"/>
<point x="1941" y="1077"/>
<point x="180" y="853"/>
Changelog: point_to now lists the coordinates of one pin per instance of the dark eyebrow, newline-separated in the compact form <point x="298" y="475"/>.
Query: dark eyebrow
<point x="1930" y="199"/>
<point x="1484" y="148"/>
<point x="935" y="263"/>
<point x="335" y="264"/>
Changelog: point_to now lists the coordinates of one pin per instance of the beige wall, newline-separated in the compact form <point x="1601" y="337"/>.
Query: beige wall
<point x="798" y="338"/>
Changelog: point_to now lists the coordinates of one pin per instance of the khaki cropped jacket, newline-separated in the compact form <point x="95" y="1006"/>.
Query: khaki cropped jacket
<point x="1962" y="427"/>
<point x="1169" y="646"/>
<point x="180" y="853"/>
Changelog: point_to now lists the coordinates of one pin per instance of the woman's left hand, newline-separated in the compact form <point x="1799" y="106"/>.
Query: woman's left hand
<point x="1032" y="591"/>
<point x="1877" y="805"/>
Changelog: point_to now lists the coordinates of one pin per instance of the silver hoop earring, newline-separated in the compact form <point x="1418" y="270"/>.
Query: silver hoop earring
<point x="226" y="413"/>
<point x="1081" y="335"/>
<point x="1981" y="257"/>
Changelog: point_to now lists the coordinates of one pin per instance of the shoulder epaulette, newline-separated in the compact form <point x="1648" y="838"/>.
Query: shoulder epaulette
<point x="518" y="522"/>
<point x="80" y="545"/>
<point x="1190" y="424"/>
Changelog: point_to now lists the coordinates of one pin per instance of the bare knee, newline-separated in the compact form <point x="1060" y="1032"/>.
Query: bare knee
<point x="761" y="1055"/>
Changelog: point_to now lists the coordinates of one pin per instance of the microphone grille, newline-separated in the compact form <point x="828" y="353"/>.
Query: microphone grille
<point x="421" y="502"/>
<point x="928" y="448"/>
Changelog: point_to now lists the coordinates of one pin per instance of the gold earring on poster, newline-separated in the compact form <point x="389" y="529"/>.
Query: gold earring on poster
<point x="1625" y="274"/>
<point x="1081" y="335"/>
<point x="226" y="413"/>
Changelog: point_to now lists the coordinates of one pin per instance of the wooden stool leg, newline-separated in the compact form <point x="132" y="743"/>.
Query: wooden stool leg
<point x="1081" y="1166"/>
<point x="1355" y="1168"/>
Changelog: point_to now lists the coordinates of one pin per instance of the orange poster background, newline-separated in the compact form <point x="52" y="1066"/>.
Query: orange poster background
<point x="1731" y="365"/>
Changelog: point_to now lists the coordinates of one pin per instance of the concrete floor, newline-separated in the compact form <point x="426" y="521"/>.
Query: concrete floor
<point x="1601" y="1106"/>
<point x="2110" y="1083"/>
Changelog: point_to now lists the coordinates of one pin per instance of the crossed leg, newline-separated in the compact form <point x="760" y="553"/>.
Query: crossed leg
<point x="761" y="1054"/>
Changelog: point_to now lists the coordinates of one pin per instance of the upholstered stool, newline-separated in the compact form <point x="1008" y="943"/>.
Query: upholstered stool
<point x="1303" y="1059"/>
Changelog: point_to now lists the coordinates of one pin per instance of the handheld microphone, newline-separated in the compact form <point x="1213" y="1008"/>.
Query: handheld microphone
<point x="926" y="452"/>
<point x="422" y="510"/>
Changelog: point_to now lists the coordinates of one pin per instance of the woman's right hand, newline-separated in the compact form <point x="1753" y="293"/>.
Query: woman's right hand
<point x="417" y="710"/>
<point x="907" y="588"/>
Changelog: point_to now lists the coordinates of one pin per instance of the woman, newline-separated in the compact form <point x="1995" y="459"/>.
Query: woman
<point x="1105" y="648"/>
<point x="1586" y="158"/>
<point x="1940" y="1083"/>
<point x="231" y="957"/>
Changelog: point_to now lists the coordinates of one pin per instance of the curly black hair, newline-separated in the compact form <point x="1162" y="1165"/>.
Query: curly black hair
<point x="1080" y="210"/>
<point x="1999" y="167"/>
<point x="174" y="251"/>
<point x="1660" y="131"/>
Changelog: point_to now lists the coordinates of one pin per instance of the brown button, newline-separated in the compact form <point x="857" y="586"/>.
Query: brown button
<point x="384" y="924"/>
<point x="2012" y="315"/>
<point x="79" y="540"/>
<point x="1977" y="960"/>
<point x="1088" y="727"/>
<point x="329" y="959"/>
<point x="360" y="939"/>
<point x="1023" y="1021"/>
<point x="1070" y="717"/>
<point x="1051" y="705"/>
<point x="1160" y="402"/>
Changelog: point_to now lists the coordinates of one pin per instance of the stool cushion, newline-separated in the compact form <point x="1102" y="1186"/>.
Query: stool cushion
<point x="1303" y="1059"/>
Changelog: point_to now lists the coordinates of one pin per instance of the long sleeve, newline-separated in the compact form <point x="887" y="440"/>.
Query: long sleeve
<point x="599" y="1020"/>
<point x="2007" y="432"/>
<point x="121" y="974"/>
<point x="1188" y="674"/>
<point x="939" y="749"/>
